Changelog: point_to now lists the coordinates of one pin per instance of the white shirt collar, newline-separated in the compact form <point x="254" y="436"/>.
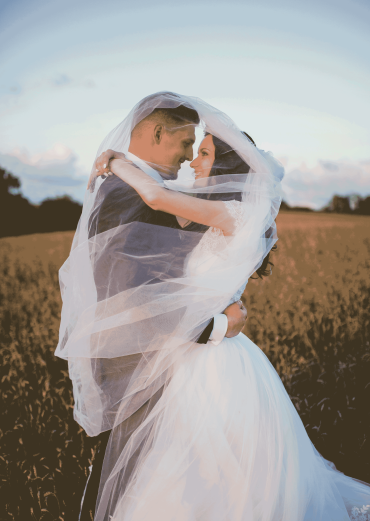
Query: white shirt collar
<point x="145" y="167"/>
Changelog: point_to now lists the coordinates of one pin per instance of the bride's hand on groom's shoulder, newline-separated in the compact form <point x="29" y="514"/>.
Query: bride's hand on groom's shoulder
<point x="102" y="162"/>
<point x="236" y="316"/>
<point x="101" y="165"/>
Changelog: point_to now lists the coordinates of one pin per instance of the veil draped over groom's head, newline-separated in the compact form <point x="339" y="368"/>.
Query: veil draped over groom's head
<point x="175" y="109"/>
<point x="170" y="104"/>
<point x="145" y="318"/>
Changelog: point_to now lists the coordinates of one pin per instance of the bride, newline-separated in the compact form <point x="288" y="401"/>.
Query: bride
<point x="224" y="442"/>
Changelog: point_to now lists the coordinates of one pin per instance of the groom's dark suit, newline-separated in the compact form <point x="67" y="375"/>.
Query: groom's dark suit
<point x="121" y="204"/>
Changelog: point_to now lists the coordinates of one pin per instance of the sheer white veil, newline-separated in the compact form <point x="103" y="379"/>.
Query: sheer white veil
<point x="132" y="308"/>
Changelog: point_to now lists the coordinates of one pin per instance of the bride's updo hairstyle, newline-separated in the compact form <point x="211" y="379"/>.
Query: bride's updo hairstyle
<point x="228" y="162"/>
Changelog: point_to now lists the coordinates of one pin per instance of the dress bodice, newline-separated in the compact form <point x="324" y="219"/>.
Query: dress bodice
<point x="212" y="246"/>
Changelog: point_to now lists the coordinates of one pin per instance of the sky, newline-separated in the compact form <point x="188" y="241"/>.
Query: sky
<point x="294" y="75"/>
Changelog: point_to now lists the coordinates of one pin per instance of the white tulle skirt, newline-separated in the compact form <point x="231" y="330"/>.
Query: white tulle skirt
<point x="229" y="445"/>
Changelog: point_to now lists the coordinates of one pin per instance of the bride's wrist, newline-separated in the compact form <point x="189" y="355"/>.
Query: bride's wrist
<point x="119" y="166"/>
<point x="117" y="162"/>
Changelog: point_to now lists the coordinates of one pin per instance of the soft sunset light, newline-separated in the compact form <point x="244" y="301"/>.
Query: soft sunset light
<point x="295" y="76"/>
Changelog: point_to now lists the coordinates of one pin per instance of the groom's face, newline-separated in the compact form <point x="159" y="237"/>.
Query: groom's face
<point x="174" y="148"/>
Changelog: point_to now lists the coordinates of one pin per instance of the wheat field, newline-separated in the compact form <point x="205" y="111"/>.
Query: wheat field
<point x="311" y="318"/>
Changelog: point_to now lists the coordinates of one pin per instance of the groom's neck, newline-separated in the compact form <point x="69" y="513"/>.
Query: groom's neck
<point x="143" y="153"/>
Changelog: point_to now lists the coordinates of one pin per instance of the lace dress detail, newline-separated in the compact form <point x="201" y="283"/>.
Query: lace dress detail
<point x="213" y="243"/>
<point x="238" y="211"/>
<point x="360" y="514"/>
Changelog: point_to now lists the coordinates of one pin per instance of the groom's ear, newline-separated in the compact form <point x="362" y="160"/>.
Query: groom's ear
<point x="158" y="133"/>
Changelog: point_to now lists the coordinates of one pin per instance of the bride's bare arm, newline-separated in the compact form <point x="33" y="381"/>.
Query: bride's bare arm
<point x="210" y="213"/>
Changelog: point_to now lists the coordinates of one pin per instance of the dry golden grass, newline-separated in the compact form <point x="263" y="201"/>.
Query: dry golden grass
<point x="311" y="317"/>
<point x="319" y="291"/>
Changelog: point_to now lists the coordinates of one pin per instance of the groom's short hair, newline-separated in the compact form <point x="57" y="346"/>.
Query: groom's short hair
<point x="170" y="117"/>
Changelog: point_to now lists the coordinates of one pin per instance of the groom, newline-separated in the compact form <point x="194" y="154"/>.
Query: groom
<point x="164" y="137"/>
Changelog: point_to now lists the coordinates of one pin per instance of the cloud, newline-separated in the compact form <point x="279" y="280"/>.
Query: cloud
<point x="61" y="80"/>
<point x="52" y="173"/>
<point x="56" y="172"/>
<point x="15" y="89"/>
<point x="314" y="187"/>
<point x="89" y="84"/>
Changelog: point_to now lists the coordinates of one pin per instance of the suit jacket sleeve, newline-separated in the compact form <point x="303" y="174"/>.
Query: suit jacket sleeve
<point x="121" y="204"/>
<point x="204" y="337"/>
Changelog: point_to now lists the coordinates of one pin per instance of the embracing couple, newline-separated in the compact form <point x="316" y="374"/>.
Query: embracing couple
<point x="193" y="420"/>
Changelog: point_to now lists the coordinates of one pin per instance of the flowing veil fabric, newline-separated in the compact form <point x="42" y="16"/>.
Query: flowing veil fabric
<point x="133" y="307"/>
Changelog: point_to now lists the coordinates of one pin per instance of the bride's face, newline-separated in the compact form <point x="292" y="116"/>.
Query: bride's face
<point x="202" y="164"/>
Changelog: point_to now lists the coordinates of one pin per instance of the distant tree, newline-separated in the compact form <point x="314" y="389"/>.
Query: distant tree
<point x="363" y="206"/>
<point x="19" y="217"/>
<point x="286" y="207"/>
<point x="339" y="204"/>
<point x="354" y="200"/>
<point x="8" y="182"/>
<point x="58" y="214"/>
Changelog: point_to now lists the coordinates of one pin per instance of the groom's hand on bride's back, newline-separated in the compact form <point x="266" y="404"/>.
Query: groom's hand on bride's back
<point x="236" y="316"/>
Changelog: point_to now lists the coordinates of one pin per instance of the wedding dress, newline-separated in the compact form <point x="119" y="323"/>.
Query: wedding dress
<point x="230" y="445"/>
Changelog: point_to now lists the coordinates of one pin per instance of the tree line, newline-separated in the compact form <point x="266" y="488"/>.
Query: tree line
<point x="351" y="204"/>
<point x="20" y="217"/>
